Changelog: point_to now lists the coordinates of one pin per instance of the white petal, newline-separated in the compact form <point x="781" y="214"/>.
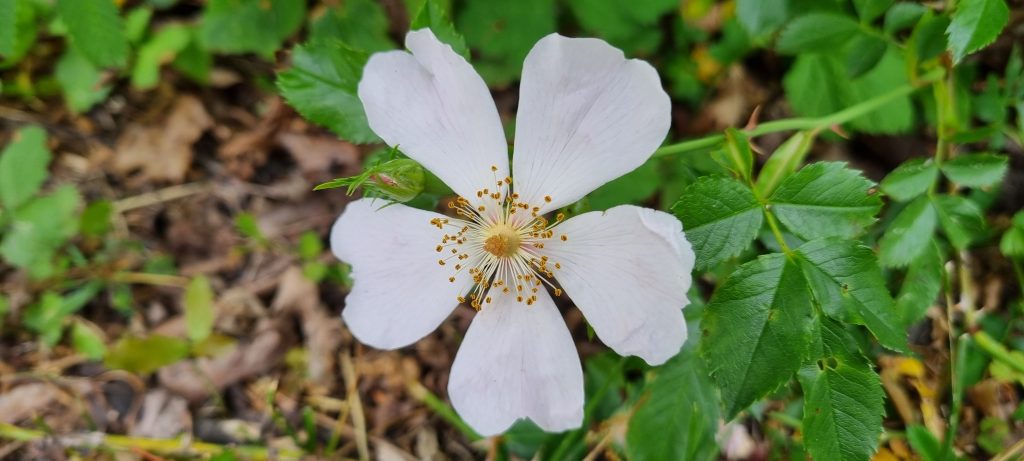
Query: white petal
<point x="400" y="292"/>
<point x="433" y="106"/>
<point x="518" y="361"/>
<point x="586" y="116"/>
<point x="628" y="270"/>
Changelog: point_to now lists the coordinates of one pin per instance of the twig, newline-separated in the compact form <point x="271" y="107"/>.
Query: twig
<point x="348" y="371"/>
<point x="132" y="444"/>
<point x="160" y="196"/>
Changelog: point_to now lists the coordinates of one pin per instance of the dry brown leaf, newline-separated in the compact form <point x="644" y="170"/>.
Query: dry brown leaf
<point x="316" y="155"/>
<point x="162" y="152"/>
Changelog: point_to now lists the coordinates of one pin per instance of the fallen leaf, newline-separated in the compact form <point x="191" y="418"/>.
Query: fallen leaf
<point x="162" y="152"/>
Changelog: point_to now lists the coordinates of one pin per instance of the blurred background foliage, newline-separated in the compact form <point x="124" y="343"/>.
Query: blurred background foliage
<point x="166" y="284"/>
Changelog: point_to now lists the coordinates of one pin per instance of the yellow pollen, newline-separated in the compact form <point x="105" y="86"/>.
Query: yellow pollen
<point x="502" y="242"/>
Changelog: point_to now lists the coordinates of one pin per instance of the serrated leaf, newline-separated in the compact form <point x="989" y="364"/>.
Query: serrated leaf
<point x="976" y="170"/>
<point x="869" y="10"/>
<point x="145" y="355"/>
<point x="200" y="312"/>
<point x="912" y="178"/>
<point x="961" y="220"/>
<point x="80" y="80"/>
<point x="23" y="166"/>
<point x="756" y="330"/>
<point x="908" y="234"/>
<point x="843" y="400"/>
<point x="902" y="15"/>
<point x="502" y="33"/>
<point x="783" y="162"/>
<point x="817" y="32"/>
<point x="825" y="199"/>
<point x="868" y="52"/>
<point x="928" y="39"/>
<point x="38" y="229"/>
<point x="432" y="15"/>
<point x="921" y="285"/>
<point x="847" y="283"/>
<point x="360" y="24"/>
<point x="250" y="26"/>
<point x="322" y="85"/>
<point x="87" y="339"/>
<point x="975" y="24"/>
<point x="96" y="29"/>
<point x="720" y="217"/>
<point x="761" y="17"/>
<point x="678" y="416"/>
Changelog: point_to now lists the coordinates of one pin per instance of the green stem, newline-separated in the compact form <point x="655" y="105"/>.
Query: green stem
<point x="776" y="231"/>
<point x="998" y="351"/>
<point x="806" y="123"/>
<point x="125" y="443"/>
<point x="443" y="410"/>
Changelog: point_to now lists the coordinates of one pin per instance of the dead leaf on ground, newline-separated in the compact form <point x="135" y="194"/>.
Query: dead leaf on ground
<point x="316" y="155"/>
<point x="162" y="152"/>
<point x="322" y="331"/>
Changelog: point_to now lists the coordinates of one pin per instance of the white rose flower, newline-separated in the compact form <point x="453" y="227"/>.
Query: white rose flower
<point x="586" y="116"/>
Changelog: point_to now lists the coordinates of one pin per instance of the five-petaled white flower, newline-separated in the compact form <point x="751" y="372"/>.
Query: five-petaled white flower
<point x="586" y="116"/>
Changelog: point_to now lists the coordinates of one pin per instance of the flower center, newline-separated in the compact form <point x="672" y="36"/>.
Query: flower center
<point x="503" y="242"/>
<point x="498" y="244"/>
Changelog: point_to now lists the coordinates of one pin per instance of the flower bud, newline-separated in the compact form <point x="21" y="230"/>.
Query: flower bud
<point x="400" y="180"/>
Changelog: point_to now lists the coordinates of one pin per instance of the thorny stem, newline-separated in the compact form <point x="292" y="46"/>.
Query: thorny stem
<point x="806" y="123"/>
<point x="125" y="443"/>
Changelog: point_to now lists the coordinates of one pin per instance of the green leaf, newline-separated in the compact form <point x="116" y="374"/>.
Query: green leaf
<point x="96" y="29"/>
<point x="46" y="318"/>
<point x="95" y="220"/>
<point x="783" y="162"/>
<point x="928" y="39"/>
<point x="8" y="26"/>
<point x="869" y="51"/>
<point x="194" y="61"/>
<point x="843" y="400"/>
<point x="908" y="234"/>
<point x="633" y="187"/>
<point x="38" y="229"/>
<point x="720" y="218"/>
<point x="761" y="17"/>
<point x="869" y="10"/>
<point x="162" y="48"/>
<point x="310" y="246"/>
<point x="924" y="443"/>
<point x="361" y="24"/>
<point x="736" y="155"/>
<point x="1012" y="243"/>
<point x="250" y="26"/>
<point x="502" y="33"/>
<point x="200" y="311"/>
<point x="136" y="23"/>
<point x="23" y="166"/>
<point x="903" y="15"/>
<point x="322" y="85"/>
<point x="976" y="23"/>
<point x="248" y="226"/>
<point x="847" y="283"/>
<point x="87" y="339"/>
<point x="432" y="15"/>
<point x="911" y="179"/>
<point x="825" y="199"/>
<point x="145" y="355"/>
<point x="961" y="220"/>
<point x="756" y="330"/>
<point x="678" y="416"/>
<point x="976" y="170"/>
<point x="921" y="285"/>
<point x="81" y="81"/>
<point x="18" y="30"/>
<point x="894" y="117"/>
<point x="817" y="32"/>
<point x="630" y="26"/>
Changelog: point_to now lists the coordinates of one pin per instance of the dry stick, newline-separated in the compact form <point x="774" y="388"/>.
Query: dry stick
<point x="1011" y="453"/>
<point x="166" y="194"/>
<point x="348" y="372"/>
<point x="125" y="443"/>
<point x="599" y="447"/>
